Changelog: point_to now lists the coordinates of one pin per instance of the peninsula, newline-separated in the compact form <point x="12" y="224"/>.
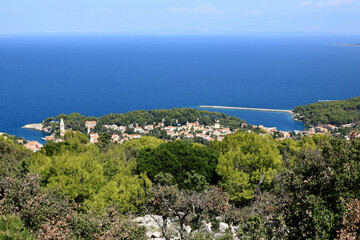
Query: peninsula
<point x="247" y="108"/>
<point x="341" y="112"/>
<point x="37" y="126"/>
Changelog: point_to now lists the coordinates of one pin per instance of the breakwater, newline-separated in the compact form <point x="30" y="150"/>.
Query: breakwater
<point x="247" y="108"/>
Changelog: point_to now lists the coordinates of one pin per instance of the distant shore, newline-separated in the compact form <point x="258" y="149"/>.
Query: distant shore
<point x="350" y="45"/>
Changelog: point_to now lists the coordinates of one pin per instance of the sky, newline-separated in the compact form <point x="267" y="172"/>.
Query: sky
<point x="179" y="16"/>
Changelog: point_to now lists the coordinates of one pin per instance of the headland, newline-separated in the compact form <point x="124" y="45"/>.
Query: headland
<point x="37" y="126"/>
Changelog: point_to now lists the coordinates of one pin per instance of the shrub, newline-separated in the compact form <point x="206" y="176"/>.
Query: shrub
<point x="12" y="227"/>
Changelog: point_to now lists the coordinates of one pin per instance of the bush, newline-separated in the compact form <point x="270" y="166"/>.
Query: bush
<point x="316" y="187"/>
<point x="24" y="198"/>
<point x="50" y="216"/>
<point x="11" y="227"/>
<point x="13" y="158"/>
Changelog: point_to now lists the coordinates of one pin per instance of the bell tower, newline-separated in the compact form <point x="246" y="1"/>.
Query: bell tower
<point x="62" y="127"/>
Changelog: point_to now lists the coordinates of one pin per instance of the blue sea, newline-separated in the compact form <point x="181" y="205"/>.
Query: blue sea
<point x="42" y="76"/>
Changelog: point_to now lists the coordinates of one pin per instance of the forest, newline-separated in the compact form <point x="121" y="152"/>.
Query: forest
<point x="264" y="188"/>
<point x="332" y="112"/>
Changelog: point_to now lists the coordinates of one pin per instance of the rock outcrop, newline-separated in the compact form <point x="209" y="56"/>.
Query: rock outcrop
<point x="37" y="126"/>
<point x="153" y="224"/>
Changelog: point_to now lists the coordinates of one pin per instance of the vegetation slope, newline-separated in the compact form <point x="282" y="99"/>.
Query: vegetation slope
<point x="269" y="189"/>
<point x="333" y="112"/>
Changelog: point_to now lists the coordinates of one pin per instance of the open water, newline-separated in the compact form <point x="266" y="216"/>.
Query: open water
<point x="42" y="76"/>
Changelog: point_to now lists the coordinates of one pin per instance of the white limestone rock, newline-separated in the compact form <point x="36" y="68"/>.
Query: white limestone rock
<point x="223" y="227"/>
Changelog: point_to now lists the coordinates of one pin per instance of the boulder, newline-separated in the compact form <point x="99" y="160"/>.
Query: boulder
<point x="223" y="227"/>
<point x="188" y="229"/>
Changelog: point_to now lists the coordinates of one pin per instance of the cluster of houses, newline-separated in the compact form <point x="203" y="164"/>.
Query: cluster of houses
<point x="190" y="130"/>
<point x="350" y="132"/>
<point x="210" y="133"/>
<point x="33" y="146"/>
<point x="272" y="130"/>
<point x="321" y="129"/>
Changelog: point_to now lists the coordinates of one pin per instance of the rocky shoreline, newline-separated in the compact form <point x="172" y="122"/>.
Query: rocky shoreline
<point x="37" y="126"/>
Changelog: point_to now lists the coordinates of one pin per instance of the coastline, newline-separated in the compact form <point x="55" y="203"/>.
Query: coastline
<point x="40" y="127"/>
<point x="36" y="126"/>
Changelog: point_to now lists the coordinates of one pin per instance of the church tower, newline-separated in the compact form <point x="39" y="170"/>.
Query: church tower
<point x="217" y="124"/>
<point x="62" y="127"/>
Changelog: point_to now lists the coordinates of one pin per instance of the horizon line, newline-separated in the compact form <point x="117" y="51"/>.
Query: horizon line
<point x="113" y="33"/>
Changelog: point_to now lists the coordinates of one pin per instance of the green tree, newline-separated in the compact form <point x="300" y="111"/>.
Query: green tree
<point x="30" y="212"/>
<point x="317" y="187"/>
<point x="333" y="112"/>
<point x="79" y="176"/>
<point x="143" y="142"/>
<point x="186" y="206"/>
<point x="178" y="158"/>
<point x="248" y="161"/>
<point x="104" y="138"/>
<point x="14" y="158"/>
<point x="11" y="227"/>
<point x="94" y="178"/>
<point x="195" y="182"/>
<point x="74" y="137"/>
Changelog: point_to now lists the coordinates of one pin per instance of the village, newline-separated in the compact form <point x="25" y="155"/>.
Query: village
<point x="188" y="131"/>
<point x="191" y="130"/>
<point x="120" y="135"/>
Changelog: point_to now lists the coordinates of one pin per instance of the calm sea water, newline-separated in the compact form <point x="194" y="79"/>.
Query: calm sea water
<point x="42" y="76"/>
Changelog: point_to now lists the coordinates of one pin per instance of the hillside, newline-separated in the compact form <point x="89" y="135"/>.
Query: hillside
<point x="248" y="186"/>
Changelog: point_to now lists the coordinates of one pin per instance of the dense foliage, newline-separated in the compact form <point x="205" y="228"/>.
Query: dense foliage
<point x="267" y="189"/>
<point x="48" y="214"/>
<point x="179" y="158"/>
<point x="247" y="161"/>
<point x="170" y="117"/>
<point x="12" y="227"/>
<point x="319" y="188"/>
<point x="91" y="177"/>
<point x="333" y="112"/>
<point x="14" y="158"/>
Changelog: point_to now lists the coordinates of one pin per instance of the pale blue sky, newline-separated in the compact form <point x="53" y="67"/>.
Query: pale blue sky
<point x="179" y="16"/>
